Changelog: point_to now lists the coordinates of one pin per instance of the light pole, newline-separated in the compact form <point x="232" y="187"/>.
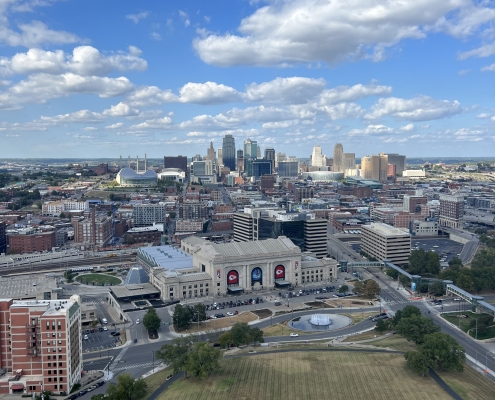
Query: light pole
<point x="153" y="370"/>
<point x="486" y="361"/>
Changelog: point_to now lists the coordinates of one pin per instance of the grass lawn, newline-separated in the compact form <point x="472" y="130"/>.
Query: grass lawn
<point x="469" y="384"/>
<point x="281" y="330"/>
<point x="154" y="381"/>
<point x="218" y="323"/>
<point x="465" y="324"/>
<point x="395" y="342"/>
<point x="310" y="375"/>
<point x="98" y="279"/>
<point x="365" y="336"/>
<point x="359" y="316"/>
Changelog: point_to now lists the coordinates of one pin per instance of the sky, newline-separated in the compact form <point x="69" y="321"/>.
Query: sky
<point x="87" y="78"/>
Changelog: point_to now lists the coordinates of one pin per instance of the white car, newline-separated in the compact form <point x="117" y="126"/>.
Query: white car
<point x="294" y="335"/>
<point x="230" y="314"/>
<point x="86" y="337"/>
<point x="137" y="321"/>
<point x="105" y="328"/>
<point x="457" y="299"/>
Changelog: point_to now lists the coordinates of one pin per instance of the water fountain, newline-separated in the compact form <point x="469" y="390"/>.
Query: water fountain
<point x="320" y="320"/>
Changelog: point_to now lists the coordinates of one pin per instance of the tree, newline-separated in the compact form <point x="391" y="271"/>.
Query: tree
<point x="371" y="288"/>
<point x="62" y="215"/>
<point x="182" y="317"/>
<point x="464" y="281"/>
<point x="436" y="289"/>
<point x="99" y="396"/>
<point x="151" y="320"/>
<point x="433" y="263"/>
<point x="202" y="359"/>
<point x="175" y="354"/>
<point x="358" y="287"/>
<point x="415" y="328"/>
<point x="482" y="323"/>
<point x="417" y="362"/>
<point x="443" y="352"/>
<point x="406" y="312"/>
<point x="381" y="325"/>
<point x="393" y="273"/>
<point x="404" y="280"/>
<point x="127" y="388"/>
<point x="69" y="276"/>
<point x="199" y="312"/>
<point x="456" y="263"/>
<point x="343" y="289"/>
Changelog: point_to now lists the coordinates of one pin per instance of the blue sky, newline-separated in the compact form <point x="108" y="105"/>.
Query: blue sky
<point x="115" y="77"/>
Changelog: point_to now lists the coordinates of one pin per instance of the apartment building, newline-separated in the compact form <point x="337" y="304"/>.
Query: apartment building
<point x="95" y="229"/>
<point x="451" y="210"/>
<point x="55" y="208"/>
<point x="193" y="210"/>
<point x="148" y="214"/>
<point x="30" y="241"/>
<point x="385" y="242"/>
<point x="40" y="345"/>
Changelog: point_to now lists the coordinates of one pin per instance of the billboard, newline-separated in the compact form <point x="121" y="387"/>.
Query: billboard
<point x="279" y="272"/>
<point x="232" y="278"/>
<point x="256" y="275"/>
<point x="218" y="273"/>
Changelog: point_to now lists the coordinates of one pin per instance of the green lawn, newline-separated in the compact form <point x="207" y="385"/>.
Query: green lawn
<point x="98" y="279"/>
<point x="465" y="324"/>
<point x="309" y="375"/>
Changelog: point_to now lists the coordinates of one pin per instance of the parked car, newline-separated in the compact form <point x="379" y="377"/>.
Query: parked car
<point x="294" y="335"/>
<point x="85" y="337"/>
<point x="236" y="312"/>
<point x="137" y="321"/>
<point x="230" y="314"/>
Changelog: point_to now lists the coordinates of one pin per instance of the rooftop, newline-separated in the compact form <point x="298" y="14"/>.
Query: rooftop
<point x="166" y="257"/>
<point x="26" y="286"/>
<point x="238" y="249"/>
<point x="385" y="230"/>
<point x="141" y="289"/>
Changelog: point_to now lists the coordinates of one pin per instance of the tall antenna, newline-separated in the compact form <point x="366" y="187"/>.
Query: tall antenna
<point x="137" y="163"/>
<point x="145" y="163"/>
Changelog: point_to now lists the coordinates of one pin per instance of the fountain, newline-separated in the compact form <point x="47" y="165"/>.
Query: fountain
<point x="320" y="320"/>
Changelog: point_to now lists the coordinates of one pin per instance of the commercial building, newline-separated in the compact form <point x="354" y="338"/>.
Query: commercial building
<point x="257" y="167"/>
<point x="338" y="158"/>
<point x="93" y="230"/>
<point x="193" y="210"/>
<point x="189" y="225"/>
<point x="270" y="155"/>
<point x="55" y="208"/>
<point x="202" y="168"/>
<point x="175" y="162"/>
<point x="414" y="173"/>
<point x="3" y="237"/>
<point x="317" y="157"/>
<point x="30" y="240"/>
<point x="148" y="234"/>
<point x="303" y="229"/>
<point x="398" y="160"/>
<point x="424" y="228"/>
<point x="30" y="287"/>
<point x="40" y="345"/>
<point x="348" y="161"/>
<point x="148" y="214"/>
<point x="240" y="160"/>
<point x="288" y="169"/>
<point x="413" y="203"/>
<point x="385" y="242"/>
<point x="228" y="152"/>
<point x="303" y="192"/>
<point x="250" y="149"/>
<point x="451" y="210"/>
<point x="172" y="174"/>
<point x="374" y="167"/>
<point x="211" y="153"/>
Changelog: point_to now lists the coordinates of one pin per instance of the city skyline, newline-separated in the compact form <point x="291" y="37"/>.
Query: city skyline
<point x="163" y="79"/>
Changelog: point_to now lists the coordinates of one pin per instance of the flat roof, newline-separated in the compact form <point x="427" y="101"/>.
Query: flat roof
<point x="166" y="257"/>
<point x="385" y="230"/>
<point x="20" y="287"/>
<point x="141" y="289"/>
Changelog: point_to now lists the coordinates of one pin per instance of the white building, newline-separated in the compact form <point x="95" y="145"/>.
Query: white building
<point x="317" y="157"/>
<point x="414" y="173"/>
<point x="384" y="242"/>
<point x="55" y="208"/>
<point x="148" y="214"/>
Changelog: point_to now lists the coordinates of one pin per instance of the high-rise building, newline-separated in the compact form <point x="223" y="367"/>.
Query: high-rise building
<point x="211" y="154"/>
<point x="288" y="169"/>
<point x="175" y="162"/>
<point x="399" y="162"/>
<point x="93" y="230"/>
<point x="41" y="345"/>
<point x="348" y="161"/>
<point x="202" y="168"/>
<point x="256" y="168"/>
<point x="148" y="214"/>
<point x="250" y="149"/>
<point x="279" y="158"/>
<point x="451" y="210"/>
<point x="317" y="157"/>
<point x="374" y="167"/>
<point x="240" y="160"/>
<point x="3" y="237"/>
<point x="270" y="155"/>
<point x="338" y="162"/>
<point x="385" y="242"/>
<point x="228" y="152"/>
<point x="193" y="210"/>
<point x="220" y="156"/>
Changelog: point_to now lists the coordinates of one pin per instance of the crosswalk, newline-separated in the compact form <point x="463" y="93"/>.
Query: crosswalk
<point x="391" y="303"/>
<point x="133" y="366"/>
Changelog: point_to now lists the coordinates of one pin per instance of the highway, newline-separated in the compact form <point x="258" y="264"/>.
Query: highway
<point x="64" y="264"/>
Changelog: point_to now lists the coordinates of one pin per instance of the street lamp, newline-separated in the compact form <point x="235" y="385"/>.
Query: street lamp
<point x="153" y="361"/>
<point x="486" y="361"/>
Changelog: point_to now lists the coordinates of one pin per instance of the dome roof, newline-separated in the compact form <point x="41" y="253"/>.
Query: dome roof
<point x="129" y="173"/>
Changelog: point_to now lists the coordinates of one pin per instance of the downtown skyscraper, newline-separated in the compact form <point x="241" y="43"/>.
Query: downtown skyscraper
<point x="228" y="152"/>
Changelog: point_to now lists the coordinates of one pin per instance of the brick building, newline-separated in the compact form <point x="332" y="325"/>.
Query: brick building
<point x="3" y="237"/>
<point x="93" y="230"/>
<point x="193" y="210"/>
<point x="31" y="241"/>
<point x="40" y="345"/>
<point x="148" y="234"/>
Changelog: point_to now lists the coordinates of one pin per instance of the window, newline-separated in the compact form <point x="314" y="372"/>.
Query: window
<point x="54" y="334"/>
<point x="60" y="372"/>
<point x="60" y="334"/>
<point x="48" y="349"/>
<point x="59" y="342"/>
<point x="200" y="285"/>
<point x="60" y="357"/>
<point x="59" y="364"/>
<point x="47" y="335"/>
<point x="218" y="284"/>
<point x="49" y="379"/>
<point x="195" y="286"/>
<point x="49" y="364"/>
<point x="49" y="357"/>
<point x="61" y="380"/>
<point x="49" y="372"/>
<point x="206" y="284"/>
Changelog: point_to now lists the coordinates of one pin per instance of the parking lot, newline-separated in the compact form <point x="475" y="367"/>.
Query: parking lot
<point x="99" y="340"/>
<point x="440" y="246"/>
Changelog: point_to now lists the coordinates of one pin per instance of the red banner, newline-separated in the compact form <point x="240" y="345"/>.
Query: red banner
<point x="279" y="272"/>
<point x="232" y="278"/>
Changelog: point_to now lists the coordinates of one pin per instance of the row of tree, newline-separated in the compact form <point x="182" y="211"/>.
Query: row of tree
<point x="241" y="333"/>
<point x="184" y="315"/>
<point x="423" y="262"/>
<point x="474" y="279"/>
<point x="369" y="288"/>
<point x="436" y="350"/>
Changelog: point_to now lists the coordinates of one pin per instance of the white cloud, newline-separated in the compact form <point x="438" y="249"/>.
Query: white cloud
<point x="117" y="125"/>
<point x="83" y="116"/>
<point x="185" y="18"/>
<point x="483" y="116"/>
<point x="137" y="17"/>
<point x="421" y="108"/>
<point x="84" y="60"/>
<point x="159" y="123"/>
<point x="90" y="129"/>
<point x="407" y="128"/>
<point x="343" y="111"/>
<point x="469" y="134"/>
<point x="155" y="35"/>
<point x="121" y="110"/>
<point x="292" y="90"/>
<point x="484" y="51"/>
<point x="371" y="130"/>
<point x="150" y="95"/>
<point x="352" y="93"/>
<point x="490" y="68"/>
<point x="208" y="93"/>
<point x="280" y="125"/>
<point x="39" y="88"/>
<point x="311" y="30"/>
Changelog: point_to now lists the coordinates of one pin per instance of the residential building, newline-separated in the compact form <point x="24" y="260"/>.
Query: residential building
<point x="451" y="210"/>
<point x="412" y="203"/>
<point x="193" y="210"/>
<point x="189" y="225"/>
<point x="228" y="152"/>
<point x="148" y="234"/>
<point x="148" y="214"/>
<point x="175" y="162"/>
<point x="374" y="167"/>
<point x="348" y="161"/>
<point x="30" y="240"/>
<point x="92" y="230"/>
<point x="385" y="242"/>
<point x="55" y="208"/>
<point x="40" y="345"/>
<point x="338" y="155"/>
<point x="303" y="192"/>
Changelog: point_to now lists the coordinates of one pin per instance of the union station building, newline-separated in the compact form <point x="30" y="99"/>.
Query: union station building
<point x="203" y="268"/>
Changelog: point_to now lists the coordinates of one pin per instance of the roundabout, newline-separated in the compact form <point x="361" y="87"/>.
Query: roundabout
<point x="319" y="322"/>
